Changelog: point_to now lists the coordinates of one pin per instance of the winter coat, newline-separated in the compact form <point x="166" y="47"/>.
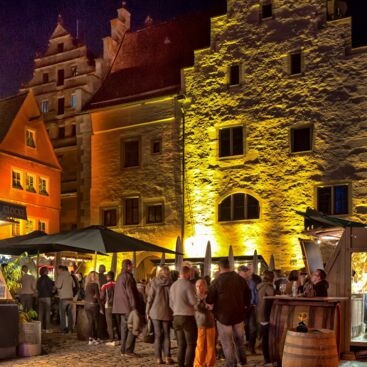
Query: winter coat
<point x="45" y="286"/>
<point x="231" y="297"/>
<point x="64" y="285"/>
<point x="158" y="299"/>
<point x="182" y="298"/>
<point x="321" y="288"/>
<point x="107" y="294"/>
<point x="263" y="308"/>
<point x="126" y="296"/>
<point x="135" y="322"/>
<point x="204" y="317"/>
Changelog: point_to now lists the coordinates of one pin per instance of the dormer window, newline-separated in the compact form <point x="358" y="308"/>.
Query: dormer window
<point x="45" y="78"/>
<point x="60" y="47"/>
<point x="74" y="70"/>
<point x="30" y="138"/>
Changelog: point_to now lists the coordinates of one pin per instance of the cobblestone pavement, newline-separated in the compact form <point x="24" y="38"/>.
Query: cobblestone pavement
<point x="60" y="350"/>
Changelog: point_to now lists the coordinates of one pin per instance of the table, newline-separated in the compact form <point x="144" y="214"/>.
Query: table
<point x="322" y="314"/>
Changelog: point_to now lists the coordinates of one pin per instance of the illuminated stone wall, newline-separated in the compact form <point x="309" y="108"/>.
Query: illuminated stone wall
<point x="330" y="94"/>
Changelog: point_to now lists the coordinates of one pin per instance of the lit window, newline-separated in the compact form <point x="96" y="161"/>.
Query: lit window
<point x="156" y="146"/>
<point x="15" y="229"/>
<point x="30" y="183"/>
<point x="17" y="180"/>
<point x="267" y="11"/>
<point x="131" y="211"/>
<point x="301" y="139"/>
<point x="43" y="186"/>
<point x="234" y="75"/>
<point x="41" y="226"/>
<point x="333" y="200"/>
<point x="74" y="70"/>
<point x="30" y="138"/>
<point x="45" y="78"/>
<point x="130" y="153"/>
<point x="60" y="106"/>
<point x="238" y="207"/>
<point x="73" y="100"/>
<point x="154" y="213"/>
<point x="60" y="77"/>
<point x="231" y="141"/>
<point x="60" y="47"/>
<point x="29" y="226"/>
<point x="44" y="106"/>
<point x="110" y="217"/>
<point x="295" y="60"/>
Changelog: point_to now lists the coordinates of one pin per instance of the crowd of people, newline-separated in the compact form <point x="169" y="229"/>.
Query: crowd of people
<point x="210" y="319"/>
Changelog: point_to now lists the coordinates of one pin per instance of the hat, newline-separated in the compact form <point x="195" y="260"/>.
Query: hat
<point x="243" y="268"/>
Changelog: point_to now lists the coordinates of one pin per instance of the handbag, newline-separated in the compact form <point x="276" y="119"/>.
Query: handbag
<point x="148" y="333"/>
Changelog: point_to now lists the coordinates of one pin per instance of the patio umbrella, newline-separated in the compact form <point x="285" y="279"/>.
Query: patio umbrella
<point x="20" y="244"/>
<point x="98" y="239"/>
<point x="231" y="258"/>
<point x="179" y="255"/>
<point x="255" y="262"/>
<point x="272" y="263"/>
<point x="208" y="260"/>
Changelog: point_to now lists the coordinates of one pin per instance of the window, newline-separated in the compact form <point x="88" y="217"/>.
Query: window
<point x="238" y="207"/>
<point x="301" y="139"/>
<point x="30" y="138"/>
<point x="295" y="63"/>
<point x="17" y="180"/>
<point x="156" y="146"/>
<point x="73" y="101"/>
<point x="333" y="200"/>
<point x="60" y="106"/>
<point x="130" y="152"/>
<point x="44" y="106"/>
<point x="154" y="213"/>
<point x="30" y="183"/>
<point x="74" y="71"/>
<point x="15" y="229"/>
<point x="61" y="132"/>
<point x="231" y="141"/>
<point x="41" y="226"/>
<point x="234" y="75"/>
<point x="29" y="226"/>
<point x="43" y="186"/>
<point x="73" y="130"/>
<point x="267" y="11"/>
<point x="109" y="217"/>
<point x="60" y="47"/>
<point x="60" y="77"/>
<point x="45" y="78"/>
<point x="131" y="212"/>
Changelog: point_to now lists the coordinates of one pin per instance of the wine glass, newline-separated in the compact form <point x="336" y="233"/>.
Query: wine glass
<point x="282" y="288"/>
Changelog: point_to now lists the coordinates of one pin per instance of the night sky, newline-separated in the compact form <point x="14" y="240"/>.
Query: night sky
<point x="26" y="25"/>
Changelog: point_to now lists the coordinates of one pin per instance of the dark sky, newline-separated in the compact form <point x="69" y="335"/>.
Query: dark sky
<point x="26" y="26"/>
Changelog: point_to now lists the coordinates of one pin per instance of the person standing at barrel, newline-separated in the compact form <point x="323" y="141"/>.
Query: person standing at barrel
<point x="264" y="289"/>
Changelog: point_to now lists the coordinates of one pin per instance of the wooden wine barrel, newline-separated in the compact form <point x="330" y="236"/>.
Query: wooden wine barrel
<point x="82" y="324"/>
<point x="317" y="348"/>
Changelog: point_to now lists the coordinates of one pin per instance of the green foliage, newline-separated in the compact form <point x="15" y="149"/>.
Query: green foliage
<point x="13" y="272"/>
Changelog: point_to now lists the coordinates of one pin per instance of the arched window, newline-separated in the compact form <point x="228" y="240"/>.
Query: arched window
<point x="238" y="207"/>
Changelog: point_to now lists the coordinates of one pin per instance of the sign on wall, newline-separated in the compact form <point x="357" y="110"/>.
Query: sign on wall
<point x="10" y="210"/>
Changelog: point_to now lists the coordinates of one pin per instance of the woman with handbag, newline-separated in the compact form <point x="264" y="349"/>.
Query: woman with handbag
<point x="160" y="313"/>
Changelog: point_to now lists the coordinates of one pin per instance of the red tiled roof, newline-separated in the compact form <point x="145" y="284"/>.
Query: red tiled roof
<point x="151" y="59"/>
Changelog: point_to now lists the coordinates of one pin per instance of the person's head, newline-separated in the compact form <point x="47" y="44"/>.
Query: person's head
<point x="224" y="265"/>
<point x="318" y="275"/>
<point x="101" y="269"/>
<point x="185" y="272"/>
<point x="110" y="276"/>
<point x="92" y="277"/>
<point x="127" y="265"/>
<point x="201" y="287"/>
<point x="244" y="271"/>
<point x="25" y="269"/>
<point x="278" y="273"/>
<point x="194" y="273"/>
<point x="293" y="275"/>
<point x="174" y="275"/>
<point x="268" y="276"/>
<point x="43" y="270"/>
<point x="60" y="269"/>
<point x="164" y="272"/>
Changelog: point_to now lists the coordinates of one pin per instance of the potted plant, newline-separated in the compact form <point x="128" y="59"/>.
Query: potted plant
<point x="29" y="333"/>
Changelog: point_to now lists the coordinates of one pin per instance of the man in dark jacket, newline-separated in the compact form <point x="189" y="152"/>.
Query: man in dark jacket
<point x="126" y="299"/>
<point x="45" y="288"/>
<point x="320" y="284"/>
<point x="231" y="297"/>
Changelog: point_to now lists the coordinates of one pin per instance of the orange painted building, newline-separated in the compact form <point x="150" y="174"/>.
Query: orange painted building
<point x="29" y="170"/>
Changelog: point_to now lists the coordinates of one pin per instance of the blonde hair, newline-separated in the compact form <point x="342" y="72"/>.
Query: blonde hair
<point x="164" y="272"/>
<point x="92" y="277"/>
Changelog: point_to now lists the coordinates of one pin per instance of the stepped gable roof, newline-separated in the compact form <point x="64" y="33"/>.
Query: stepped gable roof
<point x="151" y="60"/>
<point x="9" y="108"/>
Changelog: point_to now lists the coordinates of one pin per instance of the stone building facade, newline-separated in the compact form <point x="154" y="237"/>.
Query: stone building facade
<point x="29" y="170"/>
<point x="65" y="78"/>
<point x="275" y="116"/>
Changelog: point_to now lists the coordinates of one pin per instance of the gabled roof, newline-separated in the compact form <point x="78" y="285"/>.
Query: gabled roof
<point x="9" y="108"/>
<point x="150" y="60"/>
<point x="59" y="32"/>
